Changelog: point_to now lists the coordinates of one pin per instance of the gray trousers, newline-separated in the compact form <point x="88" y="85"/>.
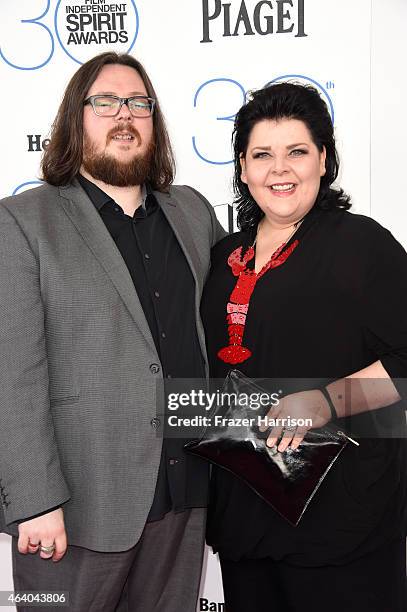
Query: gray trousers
<point x="160" y="574"/>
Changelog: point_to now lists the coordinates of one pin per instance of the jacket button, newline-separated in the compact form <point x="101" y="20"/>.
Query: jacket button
<point x="154" y="368"/>
<point x="155" y="423"/>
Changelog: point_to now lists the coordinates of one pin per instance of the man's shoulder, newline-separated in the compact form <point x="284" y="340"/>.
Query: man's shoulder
<point x="188" y="195"/>
<point x="36" y="195"/>
<point x="193" y="205"/>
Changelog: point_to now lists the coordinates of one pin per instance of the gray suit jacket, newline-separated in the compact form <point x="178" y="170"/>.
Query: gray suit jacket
<point x="78" y="366"/>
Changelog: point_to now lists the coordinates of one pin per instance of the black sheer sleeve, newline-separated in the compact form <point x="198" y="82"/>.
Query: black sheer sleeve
<point x="384" y="304"/>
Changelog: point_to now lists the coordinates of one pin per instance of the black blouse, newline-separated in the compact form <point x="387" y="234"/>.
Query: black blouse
<point x="338" y="304"/>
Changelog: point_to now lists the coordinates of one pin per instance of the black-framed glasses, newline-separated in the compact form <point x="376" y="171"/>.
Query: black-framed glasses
<point x="109" y="106"/>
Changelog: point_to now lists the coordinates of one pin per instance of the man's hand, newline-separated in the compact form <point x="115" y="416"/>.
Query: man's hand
<point x="44" y="530"/>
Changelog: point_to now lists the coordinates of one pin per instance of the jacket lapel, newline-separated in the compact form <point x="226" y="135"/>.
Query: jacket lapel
<point x="176" y="219"/>
<point x="90" y="226"/>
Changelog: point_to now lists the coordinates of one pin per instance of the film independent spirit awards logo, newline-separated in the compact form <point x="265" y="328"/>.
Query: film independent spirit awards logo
<point x="88" y="27"/>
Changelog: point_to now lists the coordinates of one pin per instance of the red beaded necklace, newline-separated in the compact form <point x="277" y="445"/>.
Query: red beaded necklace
<point x="239" y="300"/>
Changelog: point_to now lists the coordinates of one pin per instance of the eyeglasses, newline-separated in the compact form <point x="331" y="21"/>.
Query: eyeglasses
<point x="109" y="106"/>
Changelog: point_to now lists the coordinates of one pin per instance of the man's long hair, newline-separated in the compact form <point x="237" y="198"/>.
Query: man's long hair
<point x="62" y="158"/>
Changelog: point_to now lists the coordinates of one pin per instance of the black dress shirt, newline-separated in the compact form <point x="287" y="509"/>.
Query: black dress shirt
<point x="166" y="290"/>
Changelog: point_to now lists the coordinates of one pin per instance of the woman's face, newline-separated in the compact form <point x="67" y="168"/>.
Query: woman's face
<point x="282" y="169"/>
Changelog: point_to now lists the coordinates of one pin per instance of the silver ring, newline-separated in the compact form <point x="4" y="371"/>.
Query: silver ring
<point x="47" y="549"/>
<point x="290" y="428"/>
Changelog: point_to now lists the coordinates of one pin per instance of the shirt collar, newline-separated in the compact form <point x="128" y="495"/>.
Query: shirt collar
<point x="99" y="197"/>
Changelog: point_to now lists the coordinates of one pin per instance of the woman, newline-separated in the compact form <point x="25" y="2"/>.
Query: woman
<point x="328" y="300"/>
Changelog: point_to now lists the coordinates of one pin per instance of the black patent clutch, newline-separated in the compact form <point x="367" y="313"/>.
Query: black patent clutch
<point x="287" y="481"/>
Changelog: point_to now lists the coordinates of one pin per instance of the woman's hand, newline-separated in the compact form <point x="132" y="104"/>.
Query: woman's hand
<point x="310" y="405"/>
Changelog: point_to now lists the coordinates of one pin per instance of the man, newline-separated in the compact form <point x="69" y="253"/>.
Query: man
<point x="101" y="275"/>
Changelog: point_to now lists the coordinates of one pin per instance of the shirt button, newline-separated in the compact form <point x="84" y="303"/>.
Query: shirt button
<point x="157" y="295"/>
<point x="163" y="335"/>
<point x="154" y="368"/>
<point x="146" y="255"/>
<point x="155" y="423"/>
<point x="169" y="376"/>
<point x="116" y="208"/>
<point x="173" y="461"/>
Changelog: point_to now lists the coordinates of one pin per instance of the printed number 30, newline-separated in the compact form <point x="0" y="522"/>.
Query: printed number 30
<point x="35" y="22"/>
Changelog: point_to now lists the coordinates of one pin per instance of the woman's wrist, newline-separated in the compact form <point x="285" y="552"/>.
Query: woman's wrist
<point x="339" y="394"/>
<point x="332" y="408"/>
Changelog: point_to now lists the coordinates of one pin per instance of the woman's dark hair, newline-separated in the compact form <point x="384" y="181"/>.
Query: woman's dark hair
<point x="286" y="101"/>
<point x="62" y="158"/>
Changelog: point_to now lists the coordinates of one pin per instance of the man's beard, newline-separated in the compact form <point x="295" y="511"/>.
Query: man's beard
<point x="107" y="168"/>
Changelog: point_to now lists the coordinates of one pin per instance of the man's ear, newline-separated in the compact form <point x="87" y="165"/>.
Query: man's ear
<point x="243" y="177"/>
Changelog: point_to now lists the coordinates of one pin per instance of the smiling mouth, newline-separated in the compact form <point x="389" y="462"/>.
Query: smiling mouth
<point x="282" y="187"/>
<point x="123" y="137"/>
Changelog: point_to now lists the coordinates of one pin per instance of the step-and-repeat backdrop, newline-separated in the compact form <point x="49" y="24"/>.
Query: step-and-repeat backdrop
<point x="203" y="56"/>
